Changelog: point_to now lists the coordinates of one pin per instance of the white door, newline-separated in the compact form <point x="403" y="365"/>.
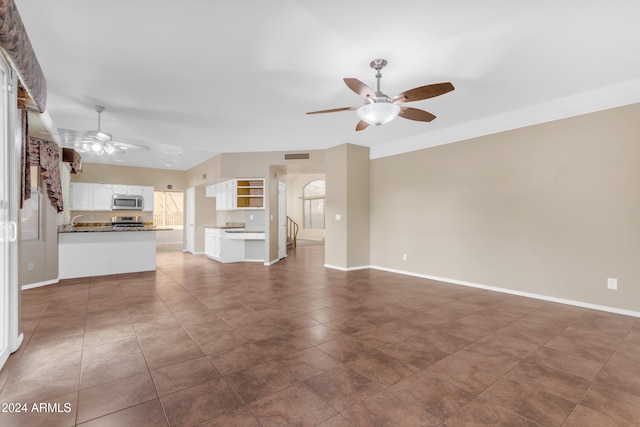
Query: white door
<point x="190" y="217"/>
<point x="282" y="220"/>
<point x="10" y="337"/>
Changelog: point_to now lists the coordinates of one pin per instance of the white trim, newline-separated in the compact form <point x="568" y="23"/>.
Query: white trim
<point x="358" y="267"/>
<point x="15" y="346"/>
<point x="269" y="263"/>
<point x="587" y="102"/>
<point x="193" y="253"/>
<point x="514" y="292"/>
<point x="39" y="284"/>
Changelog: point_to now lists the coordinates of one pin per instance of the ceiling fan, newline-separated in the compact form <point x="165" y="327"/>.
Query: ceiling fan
<point x="96" y="141"/>
<point x="379" y="108"/>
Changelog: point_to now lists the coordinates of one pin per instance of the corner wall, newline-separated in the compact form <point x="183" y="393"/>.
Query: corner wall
<point x="551" y="209"/>
<point x="347" y="198"/>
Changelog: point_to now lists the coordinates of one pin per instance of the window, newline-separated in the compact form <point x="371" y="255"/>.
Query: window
<point x="313" y="204"/>
<point x="168" y="208"/>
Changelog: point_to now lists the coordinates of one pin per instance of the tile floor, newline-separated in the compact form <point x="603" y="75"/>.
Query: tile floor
<point x="201" y="343"/>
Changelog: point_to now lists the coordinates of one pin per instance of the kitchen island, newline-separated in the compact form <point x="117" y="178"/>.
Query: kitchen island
<point x="105" y="250"/>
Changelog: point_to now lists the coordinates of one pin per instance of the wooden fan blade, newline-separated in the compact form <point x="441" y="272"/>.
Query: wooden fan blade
<point x="360" y="88"/>
<point x="361" y="125"/>
<point x="333" y="110"/>
<point x="423" y="92"/>
<point x="415" y="114"/>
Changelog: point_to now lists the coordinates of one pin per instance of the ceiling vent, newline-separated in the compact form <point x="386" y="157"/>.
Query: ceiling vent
<point x="296" y="156"/>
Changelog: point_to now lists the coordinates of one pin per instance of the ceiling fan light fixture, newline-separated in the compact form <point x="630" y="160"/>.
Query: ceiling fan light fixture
<point x="378" y="113"/>
<point x="96" y="147"/>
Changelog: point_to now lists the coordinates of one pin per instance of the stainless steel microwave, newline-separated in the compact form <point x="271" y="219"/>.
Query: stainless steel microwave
<point x="123" y="201"/>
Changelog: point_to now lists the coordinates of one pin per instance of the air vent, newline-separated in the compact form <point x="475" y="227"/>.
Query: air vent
<point x="296" y="156"/>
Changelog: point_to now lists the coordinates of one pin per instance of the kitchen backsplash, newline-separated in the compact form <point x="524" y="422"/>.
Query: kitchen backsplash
<point x="253" y="219"/>
<point x="105" y="217"/>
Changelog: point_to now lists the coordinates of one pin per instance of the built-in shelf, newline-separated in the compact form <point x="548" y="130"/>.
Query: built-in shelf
<point x="250" y="193"/>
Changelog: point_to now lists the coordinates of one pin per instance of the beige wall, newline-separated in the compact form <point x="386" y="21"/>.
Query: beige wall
<point x="348" y="193"/>
<point x="207" y="172"/>
<point x="552" y="209"/>
<point x="43" y="253"/>
<point x="110" y="174"/>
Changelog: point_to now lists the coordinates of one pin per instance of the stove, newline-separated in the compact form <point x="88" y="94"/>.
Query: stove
<point x="120" y="222"/>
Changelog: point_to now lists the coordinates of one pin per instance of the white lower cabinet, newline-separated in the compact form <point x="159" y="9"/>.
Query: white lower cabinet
<point x="218" y="247"/>
<point x="85" y="254"/>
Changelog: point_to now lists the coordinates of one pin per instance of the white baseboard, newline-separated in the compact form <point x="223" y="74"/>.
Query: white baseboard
<point x="39" y="284"/>
<point x="514" y="292"/>
<point x="15" y="346"/>
<point x="358" y="267"/>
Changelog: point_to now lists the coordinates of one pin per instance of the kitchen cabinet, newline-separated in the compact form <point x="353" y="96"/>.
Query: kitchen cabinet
<point x="86" y="196"/>
<point x="224" y="196"/>
<point x="134" y="190"/>
<point x="238" y="194"/>
<point x="103" y="253"/>
<point x="119" y="189"/>
<point x="81" y="196"/>
<point x="249" y="193"/>
<point x="147" y="195"/>
<point x="212" y="242"/>
<point x="210" y="191"/>
<point x="102" y="197"/>
<point x="219" y="247"/>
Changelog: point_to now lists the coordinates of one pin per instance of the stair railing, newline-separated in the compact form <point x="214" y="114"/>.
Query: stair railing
<point x="292" y="232"/>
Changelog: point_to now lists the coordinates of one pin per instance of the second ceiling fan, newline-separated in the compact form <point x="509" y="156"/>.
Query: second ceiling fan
<point x="379" y="108"/>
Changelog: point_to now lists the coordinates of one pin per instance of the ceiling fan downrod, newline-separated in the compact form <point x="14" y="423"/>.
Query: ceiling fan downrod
<point x="378" y="64"/>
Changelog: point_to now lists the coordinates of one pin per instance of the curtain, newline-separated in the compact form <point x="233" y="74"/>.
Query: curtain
<point x="47" y="155"/>
<point x="25" y="170"/>
<point x="14" y="41"/>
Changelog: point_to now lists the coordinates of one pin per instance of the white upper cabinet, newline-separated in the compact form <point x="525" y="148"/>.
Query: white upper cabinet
<point x="147" y="195"/>
<point x="87" y="196"/>
<point x="102" y="197"/>
<point x="238" y="194"/>
<point x="81" y="196"/>
<point x="134" y="190"/>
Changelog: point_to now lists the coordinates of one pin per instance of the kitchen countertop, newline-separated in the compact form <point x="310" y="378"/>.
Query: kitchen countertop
<point x="107" y="228"/>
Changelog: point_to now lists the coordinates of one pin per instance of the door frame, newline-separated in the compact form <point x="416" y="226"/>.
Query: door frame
<point x="10" y="144"/>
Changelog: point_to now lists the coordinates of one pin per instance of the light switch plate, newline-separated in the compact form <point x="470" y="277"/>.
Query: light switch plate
<point x="338" y="217"/>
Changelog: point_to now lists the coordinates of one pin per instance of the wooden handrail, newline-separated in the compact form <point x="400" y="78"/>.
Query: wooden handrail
<point x="292" y="232"/>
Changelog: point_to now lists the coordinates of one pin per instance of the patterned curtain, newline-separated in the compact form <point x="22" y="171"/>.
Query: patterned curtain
<point x="14" y="41"/>
<point x="25" y="175"/>
<point x="47" y="155"/>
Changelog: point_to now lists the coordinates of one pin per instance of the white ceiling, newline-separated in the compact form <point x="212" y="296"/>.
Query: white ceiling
<point x="196" y="77"/>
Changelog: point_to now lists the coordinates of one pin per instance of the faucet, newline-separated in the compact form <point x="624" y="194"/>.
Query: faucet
<point x="73" y="220"/>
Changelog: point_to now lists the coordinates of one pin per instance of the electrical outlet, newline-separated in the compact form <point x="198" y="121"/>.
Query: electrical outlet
<point x="404" y="257"/>
<point x="251" y="216"/>
<point x="612" y="283"/>
<point x="31" y="266"/>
